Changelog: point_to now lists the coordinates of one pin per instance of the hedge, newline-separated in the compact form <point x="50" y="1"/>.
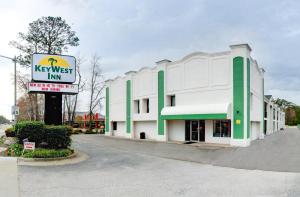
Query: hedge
<point x="57" y="136"/>
<point x="48" y="153"/>
<point x="54" y="137"/>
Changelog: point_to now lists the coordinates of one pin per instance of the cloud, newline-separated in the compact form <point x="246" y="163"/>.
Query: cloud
<point x="131" y="34"/>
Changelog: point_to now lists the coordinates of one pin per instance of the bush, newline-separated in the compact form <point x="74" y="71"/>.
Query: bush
<point x="17" y="150"/>
<point x="32" y="130"/>
<point x="58" y="136"/>
<point x="54" y="137"/>
<point x="76" y="131"/>
<point x="48" y="153"/>
<point x="10" y="132"/>
<point x="90" y="131"/>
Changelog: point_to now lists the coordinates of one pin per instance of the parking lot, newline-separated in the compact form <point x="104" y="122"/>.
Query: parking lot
<point x="132" y="168"/>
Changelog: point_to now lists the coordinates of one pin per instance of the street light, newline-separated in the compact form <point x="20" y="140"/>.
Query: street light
<point x="14" y="59"/>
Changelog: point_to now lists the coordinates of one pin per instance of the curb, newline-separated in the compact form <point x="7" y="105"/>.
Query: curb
<point x="73" y="155"/>
<point x="75" y="158"/>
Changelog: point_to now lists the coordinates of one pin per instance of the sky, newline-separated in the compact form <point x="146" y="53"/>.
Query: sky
<point x="131" y="34"/>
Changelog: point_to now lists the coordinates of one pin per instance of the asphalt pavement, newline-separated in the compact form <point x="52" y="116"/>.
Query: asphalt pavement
<point x="128" y="168"/>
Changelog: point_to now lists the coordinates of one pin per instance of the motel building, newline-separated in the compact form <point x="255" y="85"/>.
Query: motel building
<point x="203" y="97"/>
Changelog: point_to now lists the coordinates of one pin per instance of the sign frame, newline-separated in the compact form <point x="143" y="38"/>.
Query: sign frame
<point x="49" y="81"/>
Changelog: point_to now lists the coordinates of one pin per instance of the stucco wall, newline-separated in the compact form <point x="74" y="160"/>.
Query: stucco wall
<point x="121" y="129"/>
<point x="176" y="130"/>
<point x="118" y="100"/>
<point x="200" y="79"/>
<point x="149" y="127"/>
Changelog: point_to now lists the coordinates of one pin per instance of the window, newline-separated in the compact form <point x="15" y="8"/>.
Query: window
<point x="222" y="128"/>
<point x="136" y="106"/>
<point x="114" y="126"/>
<point x="172" y="100"/>
<point x="145" y="107"/>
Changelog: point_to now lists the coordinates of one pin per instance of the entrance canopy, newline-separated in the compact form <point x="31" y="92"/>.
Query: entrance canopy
<point x="197" y="112"/>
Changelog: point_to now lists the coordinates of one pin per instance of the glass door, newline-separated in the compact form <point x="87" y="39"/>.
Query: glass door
<point x="194" y="131"/>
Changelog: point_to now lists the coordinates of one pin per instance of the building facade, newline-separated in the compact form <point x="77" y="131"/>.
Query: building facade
<point x="204" y="97"/>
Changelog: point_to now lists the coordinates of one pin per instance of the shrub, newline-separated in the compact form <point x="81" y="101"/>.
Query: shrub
<point x="48" y="153"/>
<point x="90" y="131"/>
<point x="17" y="150"/>
<point x="55" y="137"/>
<point x="58" y="136"/>
<point x="10" y="132"/>
<point x="32" y="130"/>
<point x="76" y="131"/>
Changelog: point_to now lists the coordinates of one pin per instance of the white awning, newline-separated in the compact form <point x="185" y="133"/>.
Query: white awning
<point x="216" y="108"/>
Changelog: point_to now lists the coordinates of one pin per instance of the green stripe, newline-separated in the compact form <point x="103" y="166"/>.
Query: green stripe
<point x="161" y="94"/>
<point x="128" y="106"/>
<point x="107" y="111"/>
<point x="195" y="117"/>
<point x="238" y="97"/>
<point x="248" y="98"/>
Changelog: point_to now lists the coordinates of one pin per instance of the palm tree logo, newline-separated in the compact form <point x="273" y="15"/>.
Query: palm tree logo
<point x="52" y="61"/>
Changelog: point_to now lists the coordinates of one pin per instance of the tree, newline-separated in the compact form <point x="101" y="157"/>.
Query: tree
<point x="284" y="103"/>
<point x="70" y="101"/>
<point x="28" y="102"/>
<point x="95" y="86"/>
<point x="50" y="35"/>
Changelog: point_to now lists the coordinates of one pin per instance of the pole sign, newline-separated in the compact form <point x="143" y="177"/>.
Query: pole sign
<point x="34" y="87"/>
<point x="53" y="68"/>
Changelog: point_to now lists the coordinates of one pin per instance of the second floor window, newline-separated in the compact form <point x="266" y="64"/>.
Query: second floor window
<point x="172" y="102"/>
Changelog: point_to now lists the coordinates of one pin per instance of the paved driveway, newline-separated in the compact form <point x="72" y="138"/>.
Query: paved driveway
<point x="135" y="169"/>
<point x="277" y="152"/>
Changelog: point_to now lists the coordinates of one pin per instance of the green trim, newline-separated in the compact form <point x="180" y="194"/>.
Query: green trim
<point x="128" y="106"/>
<point x="238" y="98"/>
<point x="161" y="95"/>
<point x="195" y="117"/>
<point x="248" y="98"/>
<point x="107" y="110"/>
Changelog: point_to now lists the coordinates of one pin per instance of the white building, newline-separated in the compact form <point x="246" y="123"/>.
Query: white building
<point x="204" y="97"/>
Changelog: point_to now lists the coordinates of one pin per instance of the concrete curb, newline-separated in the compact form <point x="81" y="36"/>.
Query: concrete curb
<point x="48" y="159"/>
<point x="75" y="158"/>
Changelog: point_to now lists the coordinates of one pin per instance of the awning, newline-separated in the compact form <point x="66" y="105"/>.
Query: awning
<point x="197" y="112"/>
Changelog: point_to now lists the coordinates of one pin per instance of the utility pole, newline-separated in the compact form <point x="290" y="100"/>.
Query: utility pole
<point x="14" y="59"/>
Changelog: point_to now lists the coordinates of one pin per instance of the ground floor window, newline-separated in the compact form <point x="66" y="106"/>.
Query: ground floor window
<point x="222" y="128"/>
<point x="114" y="126"/>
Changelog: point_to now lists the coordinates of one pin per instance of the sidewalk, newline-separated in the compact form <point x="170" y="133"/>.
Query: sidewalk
<point x="9" y="177"/>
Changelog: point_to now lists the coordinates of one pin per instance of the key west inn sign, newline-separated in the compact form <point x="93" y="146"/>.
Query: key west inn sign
<point x="53" y="68"/>
<point x="53" y="76"/>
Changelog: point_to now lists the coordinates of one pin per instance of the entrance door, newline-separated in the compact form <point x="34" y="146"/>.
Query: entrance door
<point x="197" y="131"/>
<point x="201" y="130"/>
<point x="194" y="131"/>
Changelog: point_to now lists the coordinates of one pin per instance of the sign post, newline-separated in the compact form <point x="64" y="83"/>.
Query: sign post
<point x="53" y="75"/>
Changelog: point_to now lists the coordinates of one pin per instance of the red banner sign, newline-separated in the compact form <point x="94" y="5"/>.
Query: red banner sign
<point x="53" y="87"/>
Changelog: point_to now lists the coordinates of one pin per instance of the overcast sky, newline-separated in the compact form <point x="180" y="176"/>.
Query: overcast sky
<point x="131" y="34"/>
